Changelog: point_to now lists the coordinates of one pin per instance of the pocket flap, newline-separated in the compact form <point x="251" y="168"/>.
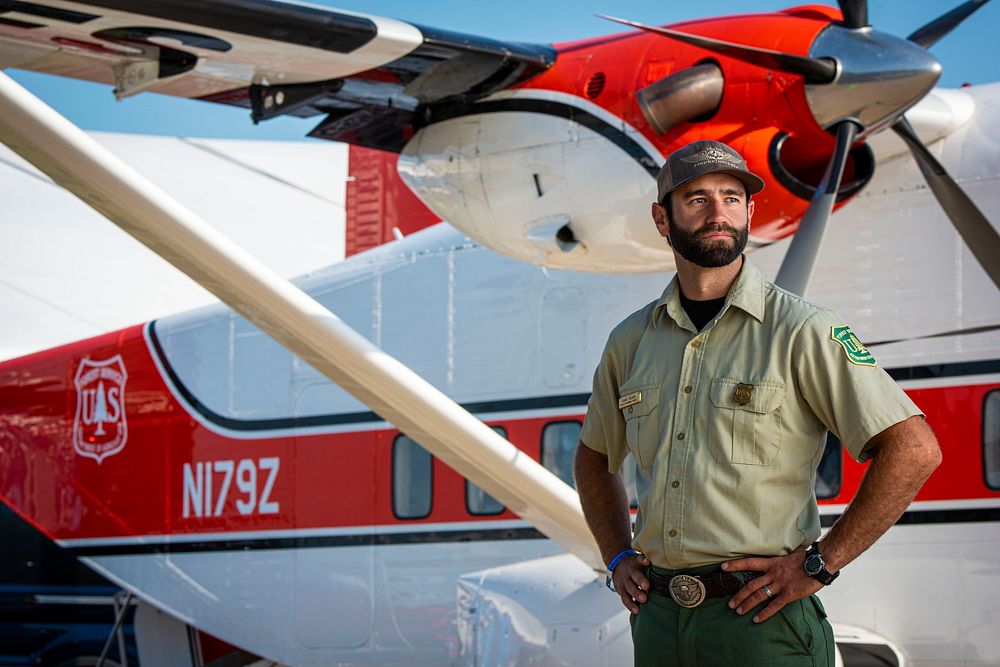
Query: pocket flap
<point x="648" y="398"/>
<point x="760" y="396"/>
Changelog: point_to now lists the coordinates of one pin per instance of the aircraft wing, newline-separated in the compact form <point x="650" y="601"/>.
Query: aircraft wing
<point x="370" y="77"/>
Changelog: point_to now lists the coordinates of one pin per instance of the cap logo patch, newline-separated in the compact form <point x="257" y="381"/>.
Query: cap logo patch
<point x="711" y="154"/>
<point x="855" y="351"/>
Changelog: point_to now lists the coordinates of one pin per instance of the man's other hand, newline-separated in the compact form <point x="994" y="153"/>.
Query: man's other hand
<point x="784" y="577"/>
<point x="630" y="582"/>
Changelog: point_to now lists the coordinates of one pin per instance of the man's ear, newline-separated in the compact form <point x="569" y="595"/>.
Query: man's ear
<point x="660" y="219"/>
<point x="749" y="212"/>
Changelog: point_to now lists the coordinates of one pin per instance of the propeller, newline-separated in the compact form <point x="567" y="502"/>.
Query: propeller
<point x="855" y="13"/>
<point x="800" y="260"/>
<point x="970" y="223"/>
<point x="929" y="34"/>
<point x="861" y="81"/>
<point x="815" y="70"/>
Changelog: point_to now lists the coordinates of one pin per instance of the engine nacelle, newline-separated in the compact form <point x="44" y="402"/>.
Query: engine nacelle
<point x="519" y="177"/>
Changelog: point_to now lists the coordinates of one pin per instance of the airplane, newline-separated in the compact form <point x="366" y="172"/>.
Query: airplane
<point x="315" y="502"/>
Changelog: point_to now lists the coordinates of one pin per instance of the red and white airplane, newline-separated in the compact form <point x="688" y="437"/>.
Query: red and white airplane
<point x="274" y="474"/>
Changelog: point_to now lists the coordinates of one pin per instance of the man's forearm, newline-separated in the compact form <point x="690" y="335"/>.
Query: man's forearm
<point x="905" y="456"/>
<point x="604" y="501"/>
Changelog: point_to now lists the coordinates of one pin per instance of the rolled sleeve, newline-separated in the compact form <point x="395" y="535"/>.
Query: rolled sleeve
<point x="856" y="401"/>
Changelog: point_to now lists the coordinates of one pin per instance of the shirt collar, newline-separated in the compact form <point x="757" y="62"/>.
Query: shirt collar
<point x="747" y="294"/>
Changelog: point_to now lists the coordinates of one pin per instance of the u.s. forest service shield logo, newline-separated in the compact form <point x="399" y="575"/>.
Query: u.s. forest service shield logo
<point x="855" y="351"/>
<point x="99" y="428"/>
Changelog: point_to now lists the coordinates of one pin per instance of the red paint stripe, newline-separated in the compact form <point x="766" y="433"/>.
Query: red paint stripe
<point x="326" y="480"/>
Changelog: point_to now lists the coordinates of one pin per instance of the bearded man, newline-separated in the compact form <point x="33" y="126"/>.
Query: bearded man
<point x="723" y="391"/>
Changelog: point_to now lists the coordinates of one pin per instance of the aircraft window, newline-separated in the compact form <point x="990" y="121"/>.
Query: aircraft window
<point x="828" y="476"/>
<point x="559" y="443"/>
<point x="559" y="440"/>
<point x="991" y="439"/>
<point x="412" y="479"/>
<point x="478" y="501"/>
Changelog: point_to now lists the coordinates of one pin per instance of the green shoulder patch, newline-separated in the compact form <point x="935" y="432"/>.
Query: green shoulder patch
<point x="855" y="351"/>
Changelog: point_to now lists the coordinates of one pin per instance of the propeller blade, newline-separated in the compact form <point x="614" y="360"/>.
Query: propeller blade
<point x="815" y="70"/>
<point x="800" y="260"/>
<point x="970" y="223"/>
<point x="855" y="13"/>
<point x="929" y="34"/>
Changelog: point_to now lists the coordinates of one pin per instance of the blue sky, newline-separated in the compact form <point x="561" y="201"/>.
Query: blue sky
<point x="970" y="54"/>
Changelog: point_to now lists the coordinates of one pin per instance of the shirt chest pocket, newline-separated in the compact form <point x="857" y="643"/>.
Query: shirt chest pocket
<point x="745" y="427"/>
<point x="642" y="422"/>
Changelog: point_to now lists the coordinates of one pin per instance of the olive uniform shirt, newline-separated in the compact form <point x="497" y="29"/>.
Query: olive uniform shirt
<point x="727" y="425"/>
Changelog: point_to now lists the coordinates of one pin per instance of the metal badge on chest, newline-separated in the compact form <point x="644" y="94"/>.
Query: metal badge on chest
<point x="743" y="393"/>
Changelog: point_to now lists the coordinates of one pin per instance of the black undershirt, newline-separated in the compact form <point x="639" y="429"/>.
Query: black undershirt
<point x="702" y="312"/>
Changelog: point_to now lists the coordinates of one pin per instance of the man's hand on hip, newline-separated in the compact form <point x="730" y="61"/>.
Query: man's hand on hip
<point x="783" y="579"/>
<point x="630" y="582"/>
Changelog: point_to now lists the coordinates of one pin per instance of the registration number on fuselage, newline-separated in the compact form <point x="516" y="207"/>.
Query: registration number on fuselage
<point x="212" y="488"/>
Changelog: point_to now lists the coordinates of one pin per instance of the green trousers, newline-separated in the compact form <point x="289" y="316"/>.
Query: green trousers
<point x="666" y="634"/>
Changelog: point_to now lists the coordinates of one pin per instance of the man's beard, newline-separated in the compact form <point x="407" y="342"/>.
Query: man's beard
<point x="710" y="254"/>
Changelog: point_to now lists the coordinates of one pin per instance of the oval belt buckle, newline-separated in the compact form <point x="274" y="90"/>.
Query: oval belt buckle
<point x="687" y="591"/>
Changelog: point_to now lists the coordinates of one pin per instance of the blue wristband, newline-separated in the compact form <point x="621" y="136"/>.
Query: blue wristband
<point x="614" y="563"/>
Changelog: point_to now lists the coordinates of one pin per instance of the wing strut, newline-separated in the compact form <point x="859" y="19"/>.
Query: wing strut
<point x="293" y="318"/>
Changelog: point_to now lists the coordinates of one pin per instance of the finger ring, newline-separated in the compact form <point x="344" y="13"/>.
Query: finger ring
<point x="767" y="591"/>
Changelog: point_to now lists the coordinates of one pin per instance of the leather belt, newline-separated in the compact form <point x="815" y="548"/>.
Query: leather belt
<point x="689" y="590"/>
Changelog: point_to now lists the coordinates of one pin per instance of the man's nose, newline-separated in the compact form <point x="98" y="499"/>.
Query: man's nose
<point x="717" y="210"/>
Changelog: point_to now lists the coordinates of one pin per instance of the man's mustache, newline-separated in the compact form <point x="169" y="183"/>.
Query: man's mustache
<point x="732" y="231"/>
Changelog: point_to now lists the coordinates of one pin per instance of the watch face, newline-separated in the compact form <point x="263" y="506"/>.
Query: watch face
<point x="814" y="564"/>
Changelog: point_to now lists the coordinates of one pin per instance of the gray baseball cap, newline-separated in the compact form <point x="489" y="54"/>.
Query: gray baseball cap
<point x="704" y="157"/>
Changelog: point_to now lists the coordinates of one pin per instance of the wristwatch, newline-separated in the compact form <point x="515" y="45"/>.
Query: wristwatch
<point x="816" y="567"/>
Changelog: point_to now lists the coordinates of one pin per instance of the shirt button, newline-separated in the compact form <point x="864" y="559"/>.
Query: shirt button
<point x="675" y="484"/>
<point x="672" y="533"/>
<point x="687" y="389"/>
<point x="696" y="343"/>
<point x="680" y="436"/>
